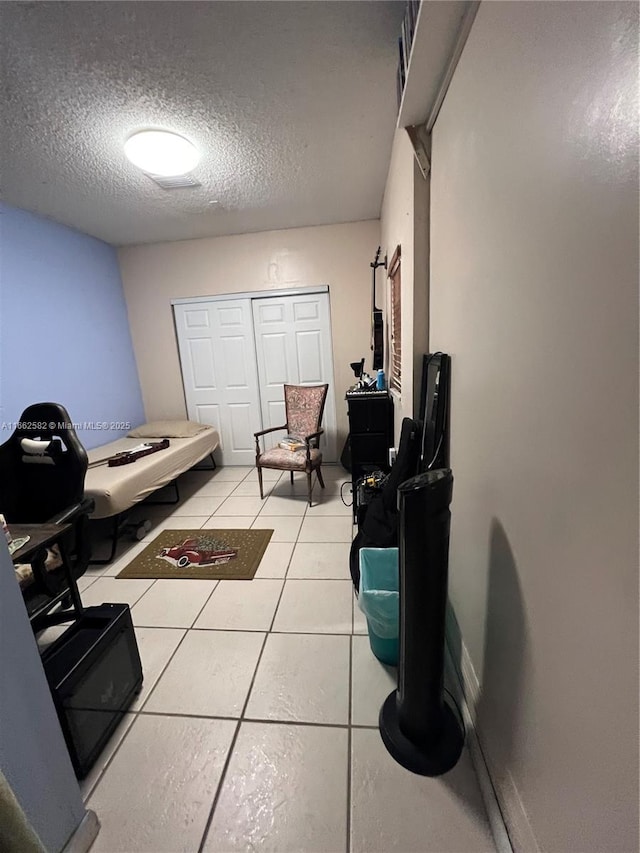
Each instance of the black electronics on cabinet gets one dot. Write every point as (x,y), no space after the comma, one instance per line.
(370,434)
(94,673)
(417,725)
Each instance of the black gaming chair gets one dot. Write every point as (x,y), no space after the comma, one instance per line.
(42,471)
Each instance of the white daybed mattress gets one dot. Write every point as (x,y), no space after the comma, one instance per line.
(116,489)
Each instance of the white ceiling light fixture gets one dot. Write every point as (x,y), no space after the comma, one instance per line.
(161,152)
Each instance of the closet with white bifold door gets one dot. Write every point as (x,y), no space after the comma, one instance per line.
(237,352)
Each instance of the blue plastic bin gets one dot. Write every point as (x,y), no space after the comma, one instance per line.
(379,600)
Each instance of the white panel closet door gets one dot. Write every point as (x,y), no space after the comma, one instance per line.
(218,358)
(293,345)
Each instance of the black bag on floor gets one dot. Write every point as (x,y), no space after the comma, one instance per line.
(379,528)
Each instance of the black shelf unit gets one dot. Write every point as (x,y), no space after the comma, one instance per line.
(370,434)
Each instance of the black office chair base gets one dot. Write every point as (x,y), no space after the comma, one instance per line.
(435,760)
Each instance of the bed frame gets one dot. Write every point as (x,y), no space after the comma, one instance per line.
(116,490)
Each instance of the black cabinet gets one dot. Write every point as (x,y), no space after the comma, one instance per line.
(370,434)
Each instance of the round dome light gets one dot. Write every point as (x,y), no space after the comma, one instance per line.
(161,152)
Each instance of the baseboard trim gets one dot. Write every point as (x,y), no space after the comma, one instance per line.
(85,834)
(507,816)
(461,691)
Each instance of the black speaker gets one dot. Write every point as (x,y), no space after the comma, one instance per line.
(418,727)
(94,673)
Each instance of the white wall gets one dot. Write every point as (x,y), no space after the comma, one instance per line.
(153,275)
(404,222)
(534,277)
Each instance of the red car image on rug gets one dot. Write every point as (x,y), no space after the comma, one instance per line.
(203,551)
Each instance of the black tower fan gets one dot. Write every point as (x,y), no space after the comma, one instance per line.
(418,727)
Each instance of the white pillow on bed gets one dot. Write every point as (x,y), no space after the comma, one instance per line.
(168,429)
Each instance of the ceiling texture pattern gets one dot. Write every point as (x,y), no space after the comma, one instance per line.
(292,104)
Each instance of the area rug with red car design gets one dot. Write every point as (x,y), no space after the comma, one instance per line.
(202,554)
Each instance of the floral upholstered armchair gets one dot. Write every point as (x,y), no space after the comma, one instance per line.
(304,405)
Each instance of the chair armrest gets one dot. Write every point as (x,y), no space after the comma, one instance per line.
(264,432)
(312,438)
(71,512)
(271,429)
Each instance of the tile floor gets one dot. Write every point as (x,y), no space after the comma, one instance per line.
(256,728)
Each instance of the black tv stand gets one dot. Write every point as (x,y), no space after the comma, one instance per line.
(370,434)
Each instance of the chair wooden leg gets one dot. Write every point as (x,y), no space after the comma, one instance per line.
(260,482)
(320,480)
(291,475)
(309,478)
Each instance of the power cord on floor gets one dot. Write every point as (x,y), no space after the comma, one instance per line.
(342,494)
(460,717)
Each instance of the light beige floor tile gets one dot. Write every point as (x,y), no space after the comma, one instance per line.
(215,489)
(154,525)
(152,511)
(292,505)
(334,489)
(320,607)
(269,475)
(133,549)
(275,560)
(241,506)
(359,619)
(85,581)
(89,781)
(107,590)
(326,504)
(98,571)
(176,522)
(302,678)
(331,485)
(156,645)
(231,473)
(156,794)
(241,605)
(209,675)
(326,529)
(392,809)
(285,527)
(198,506)
(250,489)
(228,522)
(371,683)
(284,792)
(320,561)
(197,478)
(173,603)
(202,487)
(334,472)
(284,488)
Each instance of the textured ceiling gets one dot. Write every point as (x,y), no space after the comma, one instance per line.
(292,103)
